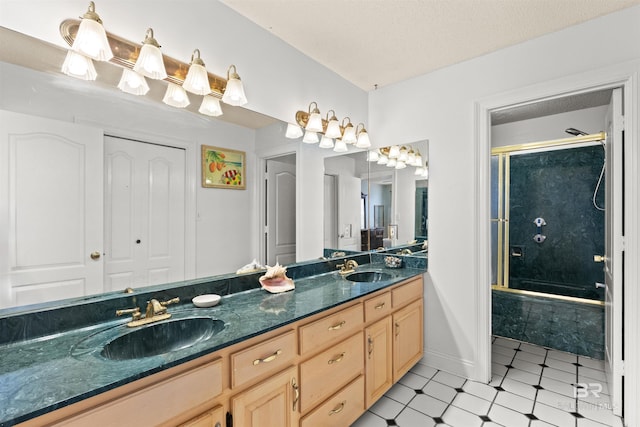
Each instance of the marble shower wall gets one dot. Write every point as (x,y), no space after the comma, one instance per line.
(557,186)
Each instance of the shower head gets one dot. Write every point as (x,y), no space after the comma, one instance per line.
(575,132)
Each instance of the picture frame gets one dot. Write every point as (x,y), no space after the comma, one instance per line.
(223,168)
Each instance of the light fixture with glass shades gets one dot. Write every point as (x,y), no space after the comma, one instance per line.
(328,129)
(89,41)
(150,63)
(310,137)
(234,92)
(399,158)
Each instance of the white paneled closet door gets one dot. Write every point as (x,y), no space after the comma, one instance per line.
(144,214)
(50,209)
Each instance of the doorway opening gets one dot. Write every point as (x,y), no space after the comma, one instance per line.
(280,210)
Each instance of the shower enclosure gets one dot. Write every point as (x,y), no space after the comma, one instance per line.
(547,223)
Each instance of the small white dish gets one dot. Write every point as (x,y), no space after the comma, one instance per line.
(208,300)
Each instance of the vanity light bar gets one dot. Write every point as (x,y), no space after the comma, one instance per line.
(125,54)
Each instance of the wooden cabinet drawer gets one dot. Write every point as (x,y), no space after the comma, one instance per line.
(330,328)
(328,371)
(211,418)
(377,307)
(262,359)
(342,409)
(405,294)
(157,403)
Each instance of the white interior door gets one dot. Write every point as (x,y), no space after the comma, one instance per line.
(349,213)
(51,209)
(330,216)
(614,279)
(281,212)
(144,214)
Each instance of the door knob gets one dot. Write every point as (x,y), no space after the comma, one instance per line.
(95,255)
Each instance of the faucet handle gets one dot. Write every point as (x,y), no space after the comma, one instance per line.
(171,301)
(135,312)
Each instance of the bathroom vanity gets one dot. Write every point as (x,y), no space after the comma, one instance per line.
(318,355)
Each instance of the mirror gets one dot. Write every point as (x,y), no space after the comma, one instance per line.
(394,202)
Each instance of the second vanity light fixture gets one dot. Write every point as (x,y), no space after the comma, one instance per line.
(313,128)
(399,157)
(89,41)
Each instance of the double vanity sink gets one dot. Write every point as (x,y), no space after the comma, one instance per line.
(46,373)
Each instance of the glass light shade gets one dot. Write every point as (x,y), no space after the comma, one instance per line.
(234,92)
(373,156)
(197,80)
(425,173)
(363,140)
(383,160)
(314,124)
(293,131)
(419,171)
(404,155)
(133,83)
(79,66)
(210,106)
(340,147)
(310,137)
(349,136)
(150,63)
(418,160)
(394,152)
(333,129)
(326,142)
(392,163)
(175,96)
(411,158)
(400,164)
(91,39)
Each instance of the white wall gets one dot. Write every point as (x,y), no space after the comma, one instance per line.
(590,120)
(440,106)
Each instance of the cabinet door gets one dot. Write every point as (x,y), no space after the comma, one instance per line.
(378,362)
(211,418)
(271,403)
(408,339)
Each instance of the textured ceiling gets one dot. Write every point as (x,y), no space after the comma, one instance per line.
(379,42)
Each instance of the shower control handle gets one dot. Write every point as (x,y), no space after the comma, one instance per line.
(599,258)
(600,285)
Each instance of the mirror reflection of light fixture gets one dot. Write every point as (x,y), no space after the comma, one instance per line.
(411,157)
(326,142)
(418,159)
(133,83)
(403,155)
(210,106)
(310,137)
(314,122)
(197,80)
(293,131)
(333,126)
(91,39)
(400,164)
(176,96)
(349,134)
(373,155)
(383,160)
(363,137)
(392,163)
(340,147)
(150,63)
(234,92)
(79,66)
(394,152)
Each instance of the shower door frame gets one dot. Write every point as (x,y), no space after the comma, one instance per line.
(504,174)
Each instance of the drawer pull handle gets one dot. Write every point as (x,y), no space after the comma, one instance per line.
(268,359)
(337,326)
(338,408)
(296,392)
(379,306)
(337,359)
(370,341)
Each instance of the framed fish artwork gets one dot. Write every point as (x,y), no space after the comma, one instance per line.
(223,168)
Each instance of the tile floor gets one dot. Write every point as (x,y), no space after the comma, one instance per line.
(532,386)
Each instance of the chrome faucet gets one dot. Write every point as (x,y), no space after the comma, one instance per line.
(348,267)
(155,312)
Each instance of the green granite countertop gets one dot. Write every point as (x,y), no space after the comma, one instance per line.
(44,374)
